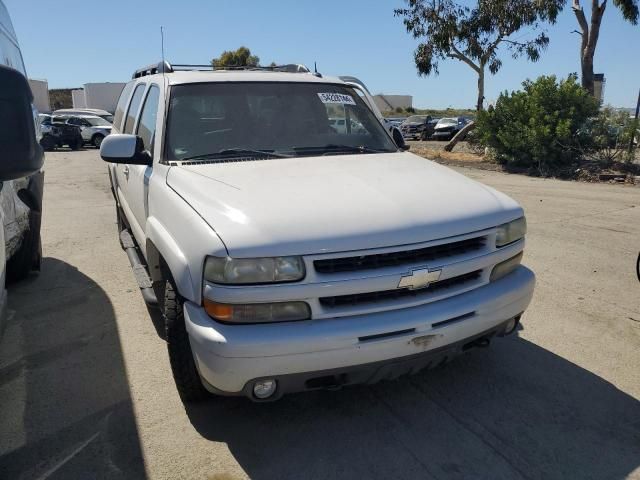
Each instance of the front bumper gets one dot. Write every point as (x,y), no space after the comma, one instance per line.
(231,357)
(443,133)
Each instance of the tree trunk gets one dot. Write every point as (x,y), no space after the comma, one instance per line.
(479,106)
(480,88)
(590,34)
(587,71)
(461,135)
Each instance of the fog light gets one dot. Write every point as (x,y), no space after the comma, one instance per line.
(510,326)
(264,388)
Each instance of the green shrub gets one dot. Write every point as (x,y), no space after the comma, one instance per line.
(536,129)
(605,138)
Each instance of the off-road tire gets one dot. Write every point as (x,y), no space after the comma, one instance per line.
(183,367)
(76,144)
(29,255)
(48,144)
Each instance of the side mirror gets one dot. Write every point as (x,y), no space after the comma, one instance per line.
(124,148)
(20,153)
(399,139)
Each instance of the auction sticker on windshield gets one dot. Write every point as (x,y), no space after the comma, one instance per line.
(336,98)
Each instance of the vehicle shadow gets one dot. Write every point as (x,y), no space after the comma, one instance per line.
(514,410)
(66,410)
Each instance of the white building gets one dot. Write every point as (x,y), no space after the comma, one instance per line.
(40,90)
(78,98)
(103,96)
(387,103)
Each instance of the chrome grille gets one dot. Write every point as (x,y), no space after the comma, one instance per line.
(398,293)
(404,257)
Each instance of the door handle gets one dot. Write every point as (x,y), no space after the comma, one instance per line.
(125,170)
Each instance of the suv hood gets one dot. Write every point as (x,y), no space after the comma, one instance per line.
(314,205)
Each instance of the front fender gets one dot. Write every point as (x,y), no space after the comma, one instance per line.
(176,260)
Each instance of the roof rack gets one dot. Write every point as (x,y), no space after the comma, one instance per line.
(166,67)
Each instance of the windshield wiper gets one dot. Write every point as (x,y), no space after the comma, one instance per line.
(232,152)
(334,148)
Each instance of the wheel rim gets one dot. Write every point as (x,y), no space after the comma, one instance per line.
(97,141)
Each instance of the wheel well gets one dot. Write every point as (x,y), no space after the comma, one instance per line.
(158,268)
(155,263)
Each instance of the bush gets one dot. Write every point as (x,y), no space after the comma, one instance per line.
(605,138)
(536,129)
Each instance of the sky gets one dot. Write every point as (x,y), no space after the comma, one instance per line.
(72,42)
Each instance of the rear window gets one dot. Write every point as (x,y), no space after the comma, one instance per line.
(122,105)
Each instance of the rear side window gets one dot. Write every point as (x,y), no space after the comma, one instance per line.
(136,99)
(122,104)
(147,123)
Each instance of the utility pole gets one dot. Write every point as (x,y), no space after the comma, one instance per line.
(635,124)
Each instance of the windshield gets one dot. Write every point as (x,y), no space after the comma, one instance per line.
(287,119)
(448,121)
(97,122)
(416,119)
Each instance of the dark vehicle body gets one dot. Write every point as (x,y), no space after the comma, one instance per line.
(58,134)
(446,128)
(414,126)
(427,133)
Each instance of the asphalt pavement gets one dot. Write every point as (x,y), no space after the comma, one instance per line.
(86,389)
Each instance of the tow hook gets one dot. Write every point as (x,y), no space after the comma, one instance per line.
(482,342)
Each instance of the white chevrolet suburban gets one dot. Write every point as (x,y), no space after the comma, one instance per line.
(289,255)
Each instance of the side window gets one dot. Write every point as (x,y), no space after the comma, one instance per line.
(122,104)
(133,108)
(147,123)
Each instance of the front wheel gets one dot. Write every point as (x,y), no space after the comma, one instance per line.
(29,255)
(97,140)
(76,144)
(183,366)
(48,143)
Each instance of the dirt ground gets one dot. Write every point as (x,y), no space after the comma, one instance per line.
(86,390)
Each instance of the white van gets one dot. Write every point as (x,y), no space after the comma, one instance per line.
(20,198)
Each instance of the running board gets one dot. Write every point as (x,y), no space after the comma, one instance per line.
(139,270)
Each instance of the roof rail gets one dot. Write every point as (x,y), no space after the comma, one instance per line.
(166,67)
(161,67)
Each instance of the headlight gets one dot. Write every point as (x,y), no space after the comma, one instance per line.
(505,268)
(511,232)
(257,312)
(242,271)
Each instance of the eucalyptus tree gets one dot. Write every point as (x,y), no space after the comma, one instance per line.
(590,31)
(477,33)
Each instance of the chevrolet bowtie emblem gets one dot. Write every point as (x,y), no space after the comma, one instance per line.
(419,278)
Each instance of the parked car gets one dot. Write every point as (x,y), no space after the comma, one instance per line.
(57,133)
(85,111)
(414,126)
(92,128)
(427,132)
(301,257)
(395,121)
(21,174)
(446,128)
(365,94)
(340,125)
